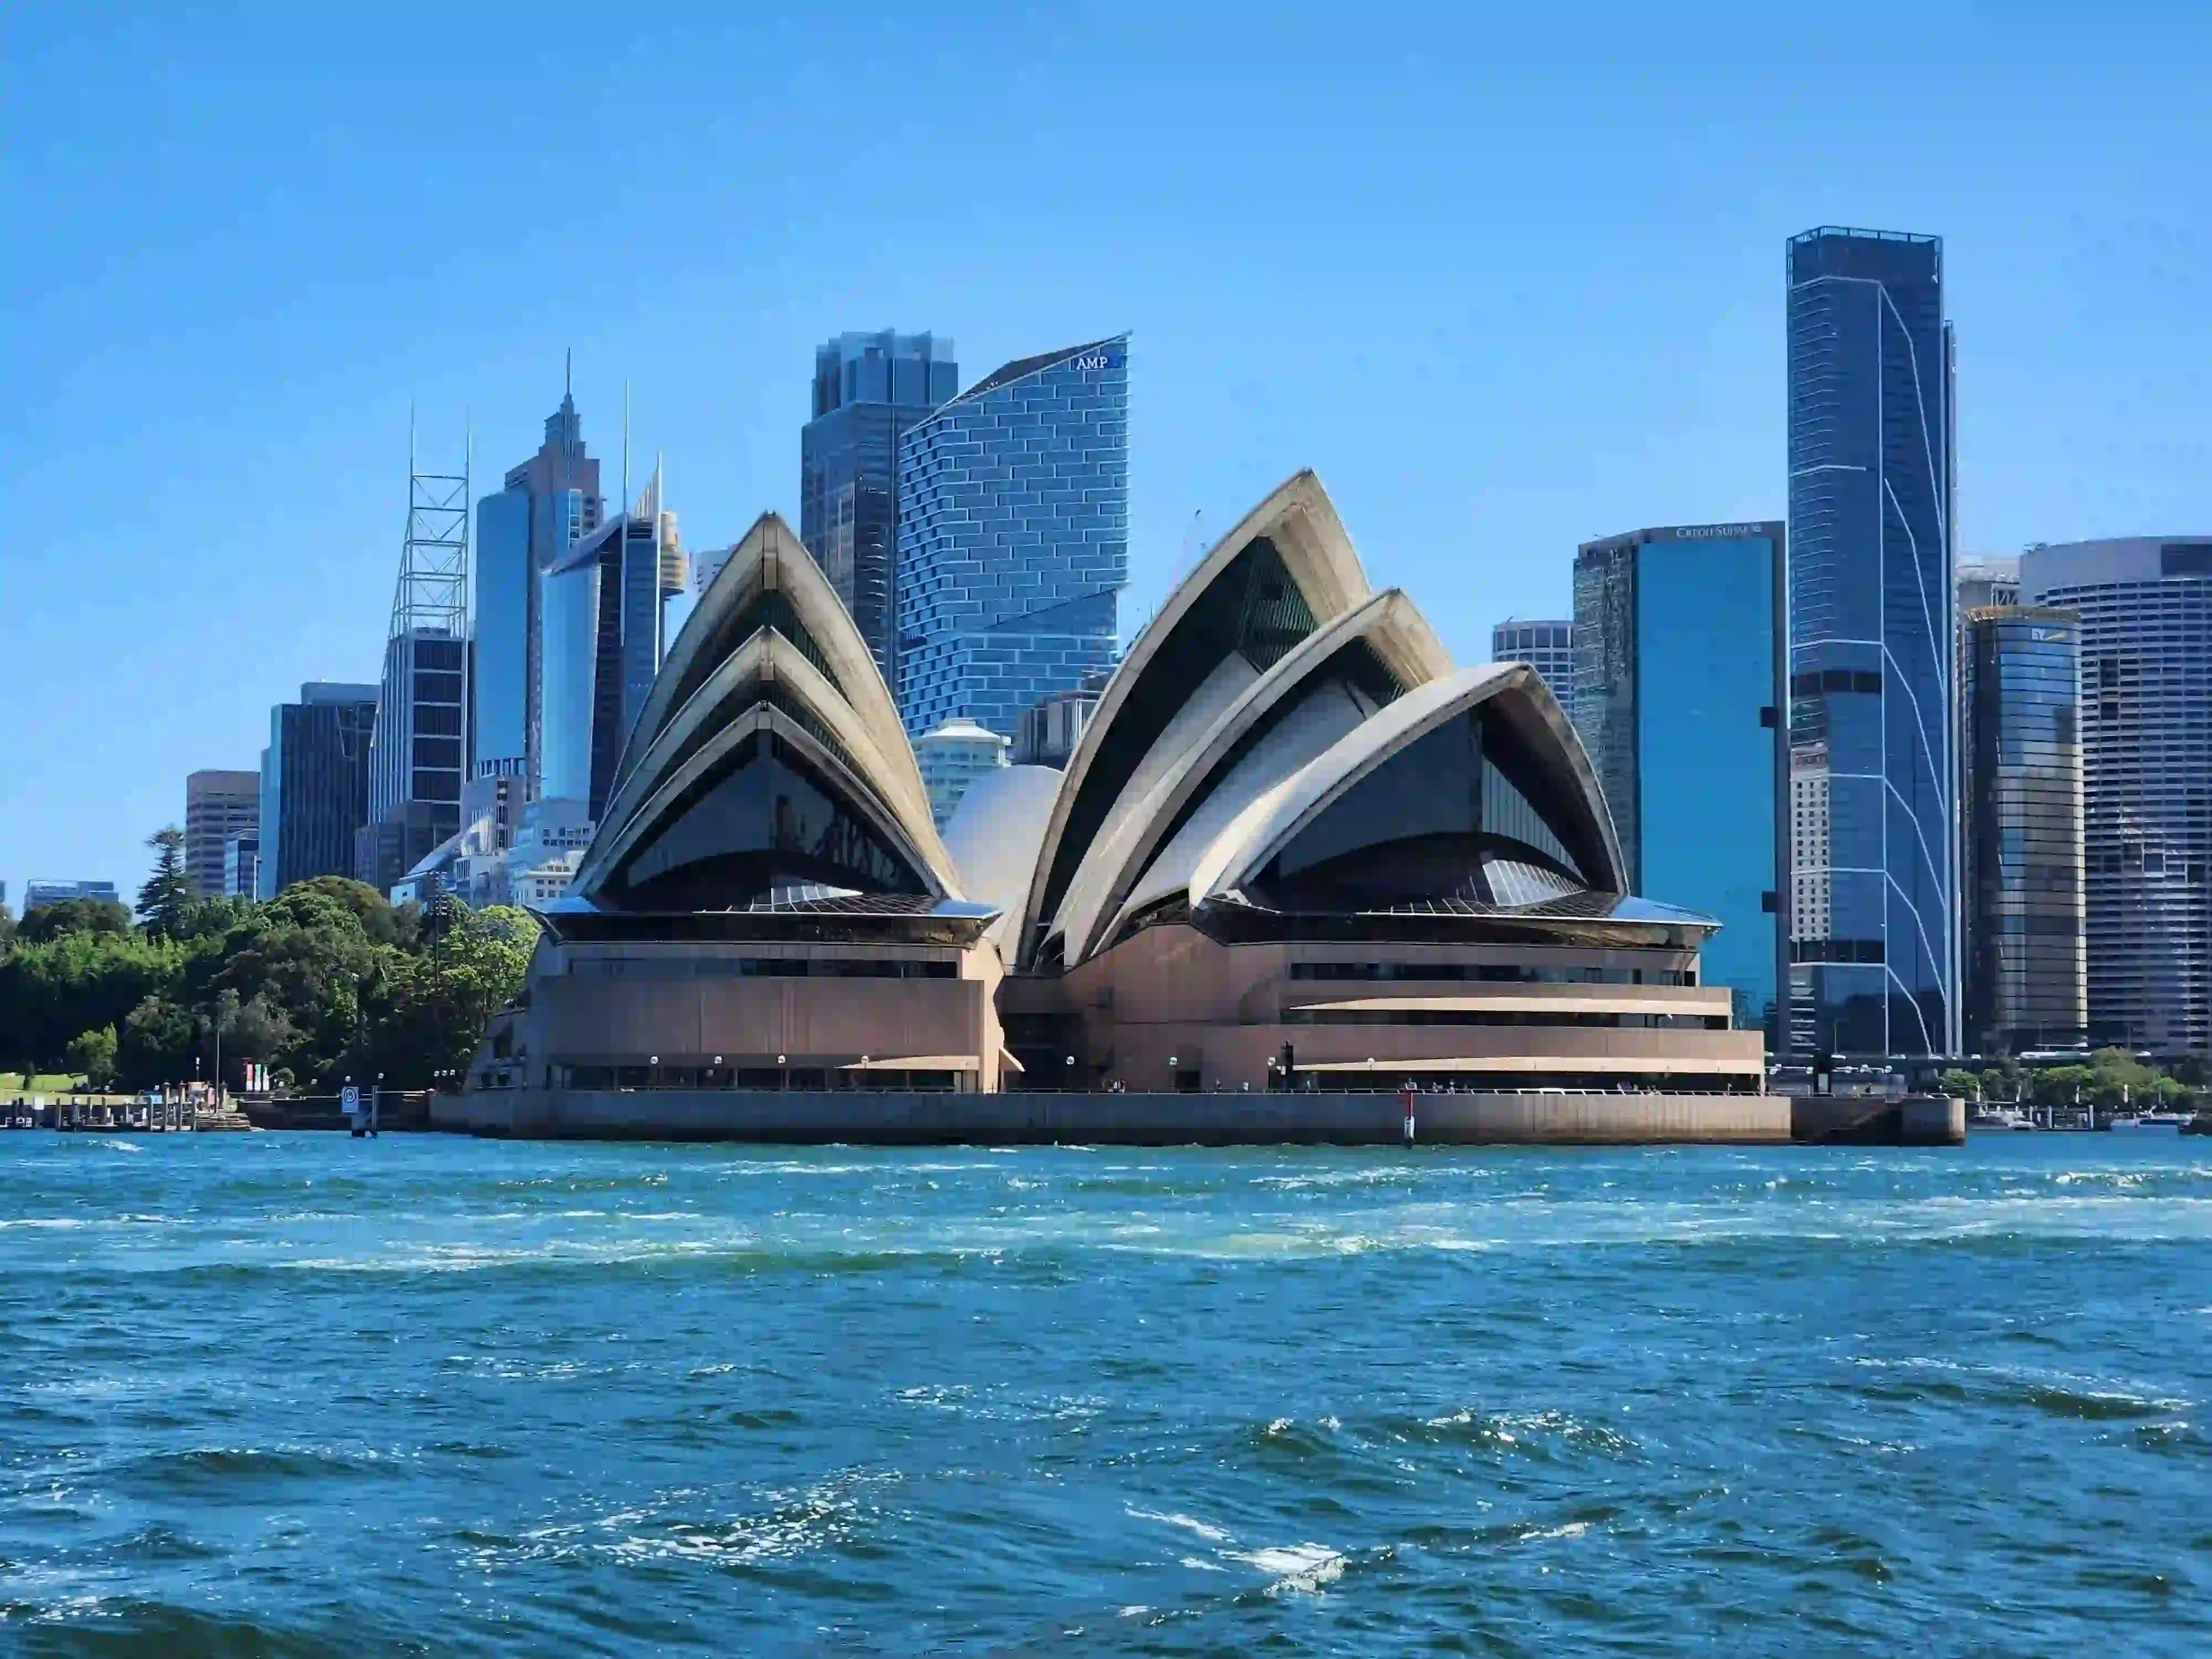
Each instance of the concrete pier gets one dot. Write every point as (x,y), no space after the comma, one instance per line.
(1024,1118)
(1874,1120)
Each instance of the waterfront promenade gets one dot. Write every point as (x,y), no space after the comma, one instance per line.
(1038,1117)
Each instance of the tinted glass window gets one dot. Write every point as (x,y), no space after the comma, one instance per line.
(759,820)
(1442,818)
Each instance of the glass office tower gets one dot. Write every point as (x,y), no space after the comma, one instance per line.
(314,784)
(552,501)
(868,390)
(1548,647)
(1013,537)
(503,579)
(605,624)
(1871,659)
(2026,983)
(2145,604)
(1678,697)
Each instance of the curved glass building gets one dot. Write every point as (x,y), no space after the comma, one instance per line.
(1875,947)
(1013,537)
(2146,650)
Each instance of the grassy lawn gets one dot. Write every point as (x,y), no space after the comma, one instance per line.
(36,1083)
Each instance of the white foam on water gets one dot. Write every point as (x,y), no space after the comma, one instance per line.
(1300,1568)
(1571,1529)
(1212,1535)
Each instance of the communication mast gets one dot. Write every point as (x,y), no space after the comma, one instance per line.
(433,594)
(418,755)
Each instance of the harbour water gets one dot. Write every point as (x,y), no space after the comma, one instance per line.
(301,1394)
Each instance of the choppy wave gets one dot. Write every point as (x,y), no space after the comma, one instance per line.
(482,1398)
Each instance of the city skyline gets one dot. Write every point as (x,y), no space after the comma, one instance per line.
(1537,415)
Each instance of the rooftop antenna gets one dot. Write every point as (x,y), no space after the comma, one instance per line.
(568,373)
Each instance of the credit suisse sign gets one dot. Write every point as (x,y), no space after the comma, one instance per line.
(1698,533)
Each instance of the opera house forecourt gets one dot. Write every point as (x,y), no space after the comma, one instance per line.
(1299,862)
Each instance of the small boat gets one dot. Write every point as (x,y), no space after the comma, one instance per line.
(1999,1117)
(2137,1121)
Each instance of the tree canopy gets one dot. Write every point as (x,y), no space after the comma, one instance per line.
(166,896)
(325,981)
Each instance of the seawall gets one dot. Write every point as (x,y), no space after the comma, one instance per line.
(1024,1118)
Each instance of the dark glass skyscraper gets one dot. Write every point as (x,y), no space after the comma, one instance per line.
(2025,980)
(868,390)
(1013,537)
(1875,947)
(1677,681)
(606,632)
(314,784)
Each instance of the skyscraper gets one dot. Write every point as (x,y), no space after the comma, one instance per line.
(868,390)
(217,806)
(420,753)
(1678,642)
(605,629)
(314,784)
(1013,537)
(546,504)
(2145,604)
(2026,987)
(1548,647)
(1872,658)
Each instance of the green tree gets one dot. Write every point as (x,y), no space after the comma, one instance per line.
(92,1053)
(166,897)
(2121,1079)
(2061,1085)
(322,983)
(476,967)
(43,922)
(157,1044)
(209,920)
(52,990)
(1966,1086)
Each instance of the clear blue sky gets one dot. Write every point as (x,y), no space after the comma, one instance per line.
(1508,281)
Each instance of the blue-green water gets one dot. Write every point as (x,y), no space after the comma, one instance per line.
(302,1394)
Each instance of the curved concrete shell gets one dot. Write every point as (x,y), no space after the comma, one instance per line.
(1327,685)
(772,581)
(994,834)
(770,649)
(1543,792)
(767,676)
(1286,570)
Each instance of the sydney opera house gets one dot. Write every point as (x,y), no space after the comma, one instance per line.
(1297,849)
